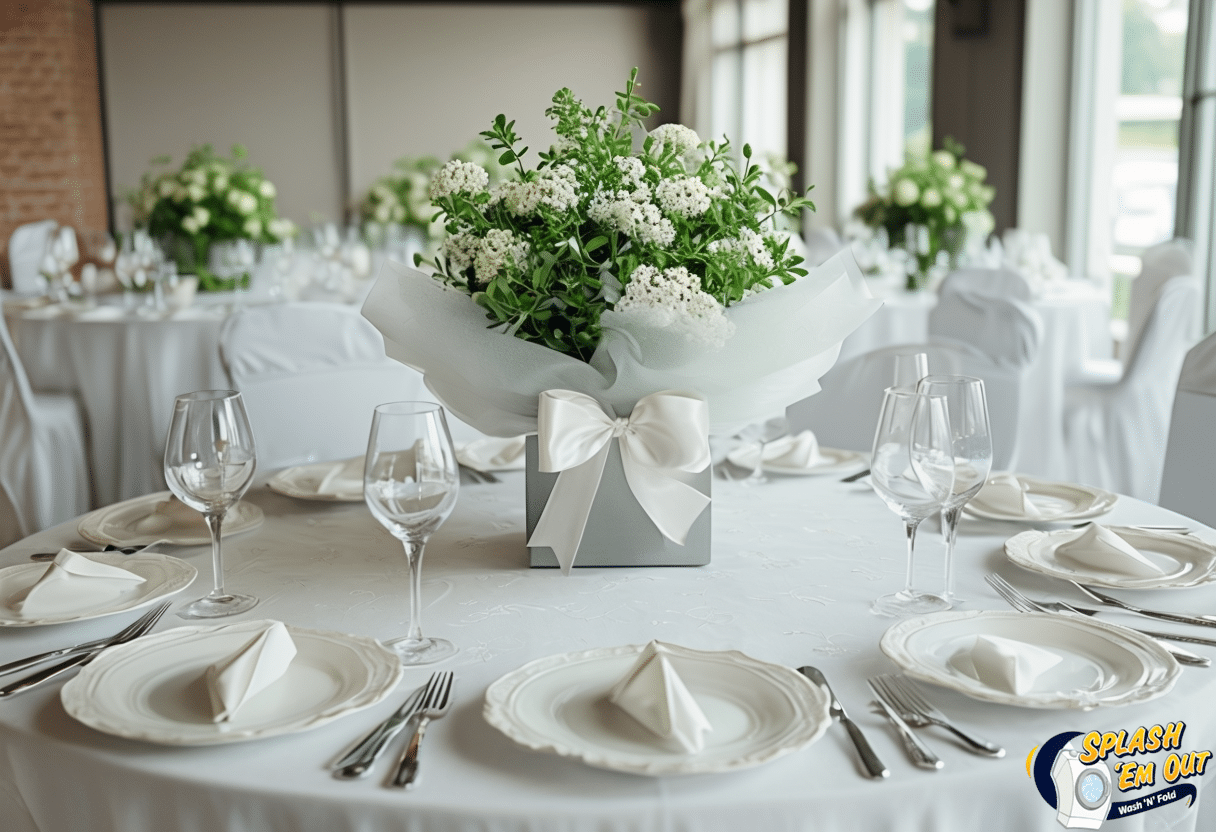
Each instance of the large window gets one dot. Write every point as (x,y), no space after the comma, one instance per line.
(917,36)
(749,74)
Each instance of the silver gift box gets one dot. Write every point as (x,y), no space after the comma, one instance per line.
(619,532)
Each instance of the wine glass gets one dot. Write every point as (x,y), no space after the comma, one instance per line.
(912,470)
(410,482)
(209,463)
(971,437)
(910,368)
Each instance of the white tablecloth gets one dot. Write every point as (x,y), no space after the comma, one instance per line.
(796,563)
(1076,326)
(126,372)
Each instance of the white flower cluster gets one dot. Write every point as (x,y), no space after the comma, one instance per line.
(384,205)
(242,201)
(458,177)
(748,244)
(487,255)
(686,196)
(632,214)
(673,299)
(556,188)
(196,219)
(680,138)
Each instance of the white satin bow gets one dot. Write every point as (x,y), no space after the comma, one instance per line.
(667,432)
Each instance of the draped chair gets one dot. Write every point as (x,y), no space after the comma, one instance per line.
(44,475)
(1188,483)
(1115,433)
(26,247)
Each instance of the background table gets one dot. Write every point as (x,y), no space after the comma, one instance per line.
(796,563)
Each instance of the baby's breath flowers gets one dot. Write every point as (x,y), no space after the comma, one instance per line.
(670,230)
(210,199)
(945,193)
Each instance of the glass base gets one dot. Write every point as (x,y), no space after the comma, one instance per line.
(908,603)
(422,651)
(218,606)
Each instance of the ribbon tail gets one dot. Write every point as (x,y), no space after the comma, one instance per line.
(673,505)
(562,523)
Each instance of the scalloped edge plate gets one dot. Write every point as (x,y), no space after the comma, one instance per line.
(835,461)
(1123,666)
(164,576)
(1088,502)
(112,524)
(151,689)
(302,481)
(1194,561)
(559,704)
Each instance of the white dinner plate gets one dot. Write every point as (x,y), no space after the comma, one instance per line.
(115,524)
(1057,501)
(163,576)
(152,688)
(832,461)
(559,704)
(302,482)
(1102,665)
(1185,560)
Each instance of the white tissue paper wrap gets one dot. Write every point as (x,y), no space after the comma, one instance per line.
(72,578)
(785,339)
(234,680)
(1005,664)
(1099,548)
(655,695)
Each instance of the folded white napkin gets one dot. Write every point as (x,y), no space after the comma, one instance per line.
(343,479)
(493,453)
(234,680)
(1099,548)
(1007,493)
(72,579)
(800,451)
(166,514)
(1004,663)
(653,694)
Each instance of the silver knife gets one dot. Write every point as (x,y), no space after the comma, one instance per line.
(358,761)
(874,766)
(919,753)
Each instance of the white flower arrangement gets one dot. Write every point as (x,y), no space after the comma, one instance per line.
(210,199)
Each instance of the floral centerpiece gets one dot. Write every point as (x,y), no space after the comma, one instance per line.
(943,197)
(210,199)
(632,288)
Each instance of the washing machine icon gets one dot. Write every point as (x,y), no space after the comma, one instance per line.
(1083,792)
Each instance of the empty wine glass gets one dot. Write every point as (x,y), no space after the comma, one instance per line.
(912,470)
(910,368)
(209,463)
(971,439)
(410,482)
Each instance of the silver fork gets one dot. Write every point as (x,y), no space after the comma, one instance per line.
(435,704)
(920,754)
(919,712)
(1021,603)
(85,647)
(42,557)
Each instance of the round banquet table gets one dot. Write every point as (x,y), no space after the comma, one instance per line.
(1076,326)
(126,371)
(796,562)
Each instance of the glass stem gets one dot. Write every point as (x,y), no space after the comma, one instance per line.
(413,555)
(910,530)
(214,522)
(950,530)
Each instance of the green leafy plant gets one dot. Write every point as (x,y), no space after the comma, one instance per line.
(943,192)
(611,218)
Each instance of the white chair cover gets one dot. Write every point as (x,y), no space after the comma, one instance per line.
(820,244)
(311,374)
(1115,434)
(44,478)
(1159,264)
(1188,484)
(26,247)
(1003,283)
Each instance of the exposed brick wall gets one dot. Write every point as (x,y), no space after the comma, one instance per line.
(51,151)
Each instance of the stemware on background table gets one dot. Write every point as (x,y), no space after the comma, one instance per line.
(410,483)
(912,470)
(967,408)
(209,463)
